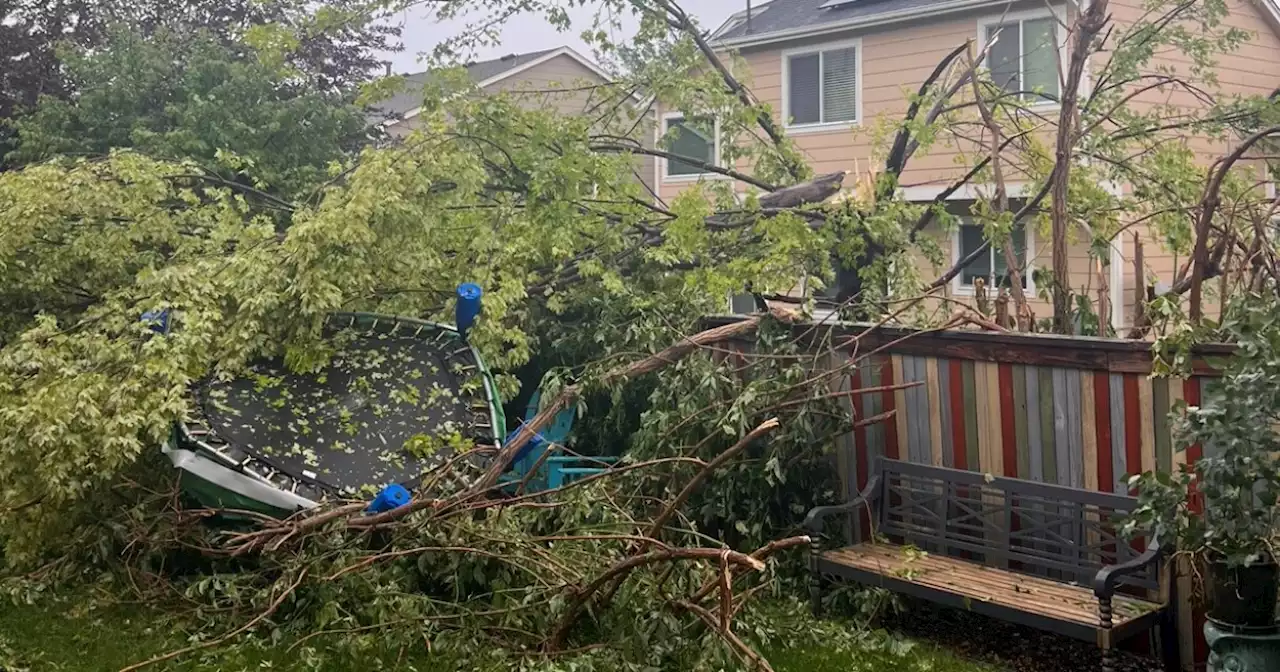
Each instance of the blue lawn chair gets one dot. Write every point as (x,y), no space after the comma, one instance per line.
(555,470)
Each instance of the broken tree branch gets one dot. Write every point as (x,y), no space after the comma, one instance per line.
(1087,26)
(1208,207)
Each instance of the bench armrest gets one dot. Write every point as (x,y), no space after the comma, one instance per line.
(1104,583)
(814,520)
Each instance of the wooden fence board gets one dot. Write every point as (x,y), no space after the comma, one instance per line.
(900,403)
(1075,431)
(1132,425)
(1048,435)
(1008,422)
(1146,423)
(1089,421)
(1102,430)
(970,418)
(959,432)
(945,416)
(1160,421)
(934,391)
(887,401)
(1023,441)
(1035,436)
(861,457)
(983,416)
(870,406)
(1119,452)
(995,421)
(917,410)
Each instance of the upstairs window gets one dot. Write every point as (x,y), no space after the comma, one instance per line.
(991,265)
(694,139)
(1024,58)
(822,85)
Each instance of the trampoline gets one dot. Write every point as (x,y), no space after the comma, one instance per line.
(396,397)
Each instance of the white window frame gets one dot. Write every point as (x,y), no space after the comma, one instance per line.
(1057,12)
(959,288)
(828,126)
(691,177)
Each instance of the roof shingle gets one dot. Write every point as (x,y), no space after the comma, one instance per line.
(781,15)
(409,96)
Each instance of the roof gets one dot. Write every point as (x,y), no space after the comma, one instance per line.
(786,19)
(483,70)
(786,15)
(408,98)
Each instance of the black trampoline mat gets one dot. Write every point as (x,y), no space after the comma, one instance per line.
(345,427)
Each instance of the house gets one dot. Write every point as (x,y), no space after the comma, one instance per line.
(557,79)
(551,77)
(830,69)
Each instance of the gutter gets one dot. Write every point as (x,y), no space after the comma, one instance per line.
(1272,10)
(937,9)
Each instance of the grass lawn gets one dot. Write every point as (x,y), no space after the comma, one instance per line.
(65,639)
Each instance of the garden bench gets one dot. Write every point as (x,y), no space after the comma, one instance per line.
(1042,555)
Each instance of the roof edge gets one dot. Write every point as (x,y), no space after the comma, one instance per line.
(942,7)
(507,74)
(1271,10)
(554,53)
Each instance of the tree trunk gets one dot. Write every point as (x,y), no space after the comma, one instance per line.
(1086,28)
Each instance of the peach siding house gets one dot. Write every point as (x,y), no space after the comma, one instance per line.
(830,69)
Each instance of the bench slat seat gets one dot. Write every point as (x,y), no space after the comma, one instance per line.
(983,589)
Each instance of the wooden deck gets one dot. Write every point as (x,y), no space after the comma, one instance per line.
(977,583)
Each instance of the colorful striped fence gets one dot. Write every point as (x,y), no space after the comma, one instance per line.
(1075,411)
(1073,427)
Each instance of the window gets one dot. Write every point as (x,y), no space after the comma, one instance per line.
(1024,58)
(693,139)
(742,304)
(822,85)
(991,265)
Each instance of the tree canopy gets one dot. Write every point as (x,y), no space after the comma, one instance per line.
(58,50)
(218,170)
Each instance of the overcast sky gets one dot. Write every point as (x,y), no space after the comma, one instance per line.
(422,31)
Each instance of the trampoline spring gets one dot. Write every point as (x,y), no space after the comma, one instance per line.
(418,331)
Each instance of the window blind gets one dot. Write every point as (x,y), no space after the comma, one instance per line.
(804,89)
(840,85)
(822,87)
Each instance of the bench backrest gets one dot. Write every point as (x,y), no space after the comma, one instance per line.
(1037,528)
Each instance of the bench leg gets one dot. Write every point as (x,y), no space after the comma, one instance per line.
(815,580)
(1104,621)
(1170,652)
